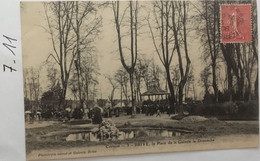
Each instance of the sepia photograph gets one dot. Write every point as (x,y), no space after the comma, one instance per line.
(110,78)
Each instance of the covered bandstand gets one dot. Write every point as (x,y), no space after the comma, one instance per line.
(155,99)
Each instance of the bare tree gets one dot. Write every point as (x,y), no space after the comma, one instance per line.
(72,33)
(205,75)
(133,27)
(179,20)
(237,58)
(114,86)
(155,73)
(86,30)
(137,80)
(32,86)
(74,87)
(89,79)
(164,49)
(176,79)
(227,51)
(210,40)
(234,61)
(248,62)
(148,72)
(143,69)
(63,40)
(122,78)
(190,85)
(52,75)
(255,43)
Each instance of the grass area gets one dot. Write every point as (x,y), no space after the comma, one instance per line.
(211,126)
(207,128)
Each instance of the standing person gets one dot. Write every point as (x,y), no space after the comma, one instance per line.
(169,111)
(158,113)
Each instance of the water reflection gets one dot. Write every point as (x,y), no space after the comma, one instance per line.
(85,136)
(123,135)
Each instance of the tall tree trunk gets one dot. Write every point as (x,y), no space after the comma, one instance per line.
(227,51)
(87,94)
(249,89)
(181,86)
(214,82)
(256,85)
(78,61)
(132,94)
(121,91)
(133,42)
(230,82)
(184,74)
(171,97)
(63,96)
(211,39)
(240,76)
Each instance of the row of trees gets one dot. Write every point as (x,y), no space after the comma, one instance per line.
(171,26)
(146,75)
(169,35)
(239,60)
(73,28)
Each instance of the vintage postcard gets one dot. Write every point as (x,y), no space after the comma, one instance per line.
(108,78)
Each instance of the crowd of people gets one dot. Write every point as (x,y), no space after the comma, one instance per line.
(95,113)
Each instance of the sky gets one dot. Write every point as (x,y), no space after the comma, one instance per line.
(36,46)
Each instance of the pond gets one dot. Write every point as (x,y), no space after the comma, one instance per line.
(123,134)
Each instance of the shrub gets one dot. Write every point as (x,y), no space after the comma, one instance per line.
(177,117)
(226,110)
(248,109)
(77,113)
(196,109)
(97,119)
(142,133)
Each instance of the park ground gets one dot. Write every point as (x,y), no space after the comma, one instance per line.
(202,128)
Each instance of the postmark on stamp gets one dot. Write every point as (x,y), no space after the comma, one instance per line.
(235,22)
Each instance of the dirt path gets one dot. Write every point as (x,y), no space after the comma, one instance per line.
(37,124)
(243,122)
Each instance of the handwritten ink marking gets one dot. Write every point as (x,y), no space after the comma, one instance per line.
(8,47)
(11,48)
(9,39)
(11,68)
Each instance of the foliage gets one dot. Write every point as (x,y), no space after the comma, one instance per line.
(77,113)
(208,98)
(227,110)
(107,130)
(97,119)
(248,109)
(26,104)
(101,102)
(50,99)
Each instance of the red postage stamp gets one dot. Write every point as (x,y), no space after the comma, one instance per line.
(236,23)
